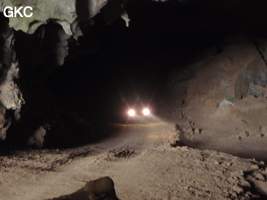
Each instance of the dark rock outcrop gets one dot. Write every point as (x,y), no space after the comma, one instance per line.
(99,189)
(10,94)
(41,43)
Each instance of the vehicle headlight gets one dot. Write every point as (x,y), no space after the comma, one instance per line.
(131,112)
(146,111)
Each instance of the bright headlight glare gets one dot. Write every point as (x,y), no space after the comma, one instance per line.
(146,111)
(131,113)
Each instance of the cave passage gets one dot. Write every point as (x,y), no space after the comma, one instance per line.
(153,63)
(69,78)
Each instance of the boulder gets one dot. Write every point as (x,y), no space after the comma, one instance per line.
(99,189)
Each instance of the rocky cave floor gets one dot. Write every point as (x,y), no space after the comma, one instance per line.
(146,161)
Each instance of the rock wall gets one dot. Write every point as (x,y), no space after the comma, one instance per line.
(10,94)
(31,49)
(62,11)
(67,13)
(225,88)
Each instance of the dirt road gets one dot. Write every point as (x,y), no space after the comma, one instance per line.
(145,161)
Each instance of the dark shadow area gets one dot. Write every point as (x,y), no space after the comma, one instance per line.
(133,63)
(258,186)
(102,189)
(70,136)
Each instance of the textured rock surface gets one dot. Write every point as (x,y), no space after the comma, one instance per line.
(4,122)
(154,170)
(99,189)
(225,98)
(228,74)
(238,75)
(10,94)
(42,11)
(64,13)
(41,48)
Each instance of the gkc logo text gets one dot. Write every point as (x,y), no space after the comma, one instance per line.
(18,11)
